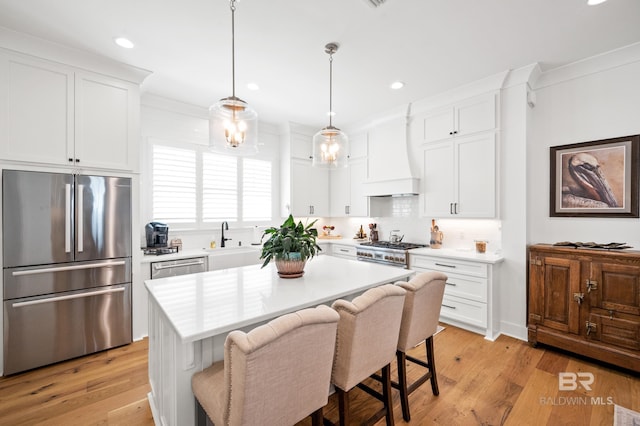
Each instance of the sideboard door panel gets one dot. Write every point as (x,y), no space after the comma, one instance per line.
(562,281)
(618,287)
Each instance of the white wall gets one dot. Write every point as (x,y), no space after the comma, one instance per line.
(589,100)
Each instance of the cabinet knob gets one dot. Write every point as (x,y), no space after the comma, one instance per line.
(71,160)
(77,160)
(450,133)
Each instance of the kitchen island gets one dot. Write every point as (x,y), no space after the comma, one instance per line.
(191,315)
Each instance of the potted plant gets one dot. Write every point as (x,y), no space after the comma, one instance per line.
(290,246)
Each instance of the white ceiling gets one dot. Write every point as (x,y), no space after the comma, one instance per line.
(431,45)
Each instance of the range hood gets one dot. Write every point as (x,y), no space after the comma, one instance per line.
(388,160)
(392,187)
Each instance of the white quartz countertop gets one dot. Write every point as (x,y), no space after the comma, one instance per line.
(470,255)
(211,303)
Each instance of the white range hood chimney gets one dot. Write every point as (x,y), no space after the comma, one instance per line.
(388,159)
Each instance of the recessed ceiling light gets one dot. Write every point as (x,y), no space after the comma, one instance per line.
(595,2)
(397,85)
(124,42)
(253,86)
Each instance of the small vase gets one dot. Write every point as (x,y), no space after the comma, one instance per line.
(436,239)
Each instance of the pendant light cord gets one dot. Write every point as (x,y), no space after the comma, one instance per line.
(330,88)
(233,48)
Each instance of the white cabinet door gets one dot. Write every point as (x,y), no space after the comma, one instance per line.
(359,203)
(459,178)
(473,115)
(439,124)
(36,116)
(476,176)
(438,180)
(347,190)
(301,145)
(105,122)
(340,190)
(309,189)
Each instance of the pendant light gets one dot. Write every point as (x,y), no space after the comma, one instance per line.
(330,145)
(233,125)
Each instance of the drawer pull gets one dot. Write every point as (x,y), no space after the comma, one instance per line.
(445,265)
(451,284)
(448,306)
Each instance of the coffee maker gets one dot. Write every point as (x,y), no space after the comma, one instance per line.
(157,234)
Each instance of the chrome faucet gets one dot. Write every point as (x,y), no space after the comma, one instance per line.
(225,226)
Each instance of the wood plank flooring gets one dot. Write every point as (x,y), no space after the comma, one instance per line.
(505,382)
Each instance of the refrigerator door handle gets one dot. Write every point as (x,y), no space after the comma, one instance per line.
(67,218)
(67,268)
(80,225)
(69,297)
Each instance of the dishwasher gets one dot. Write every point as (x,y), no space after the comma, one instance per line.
(172,268)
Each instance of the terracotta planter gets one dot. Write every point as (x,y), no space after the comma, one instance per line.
(290,268)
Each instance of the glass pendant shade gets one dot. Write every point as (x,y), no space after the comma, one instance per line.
(233,127)
(330,148)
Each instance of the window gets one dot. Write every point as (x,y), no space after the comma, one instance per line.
(219,187)
(256,190)
(174,184)
(194,188)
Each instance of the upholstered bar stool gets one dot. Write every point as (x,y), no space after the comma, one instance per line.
(366,342)
(419,323)
(277,374)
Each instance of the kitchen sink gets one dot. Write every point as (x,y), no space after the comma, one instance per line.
(233,256)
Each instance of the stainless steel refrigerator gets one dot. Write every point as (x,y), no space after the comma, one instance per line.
(66,266)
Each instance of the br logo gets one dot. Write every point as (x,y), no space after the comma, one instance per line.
(568,381)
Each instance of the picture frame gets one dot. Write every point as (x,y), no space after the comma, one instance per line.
(595,179)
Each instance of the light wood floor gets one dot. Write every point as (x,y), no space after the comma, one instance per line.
(481,383)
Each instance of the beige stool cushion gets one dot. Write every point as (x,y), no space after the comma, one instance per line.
(277,374)
(421,308)
(367,334)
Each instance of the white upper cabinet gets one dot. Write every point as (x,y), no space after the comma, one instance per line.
(470,116)
(305,189)
(309,189)
(347,194)
(346,184)
(36,116)
(106,122)
(459,177)
(58,115)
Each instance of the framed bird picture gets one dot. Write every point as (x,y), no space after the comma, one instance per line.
(595,179)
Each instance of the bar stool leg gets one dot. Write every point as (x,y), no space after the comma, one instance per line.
(386,394)
(402,384)
(432,365)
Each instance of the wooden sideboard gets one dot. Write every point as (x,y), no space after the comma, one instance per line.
(586,301)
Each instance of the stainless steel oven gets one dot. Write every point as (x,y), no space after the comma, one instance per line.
(386,252)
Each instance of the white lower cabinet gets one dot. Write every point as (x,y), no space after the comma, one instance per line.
(468,300)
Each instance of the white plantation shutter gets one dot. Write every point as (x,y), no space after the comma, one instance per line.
(174,184)
(219,187)
(256,190)
(194,188)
